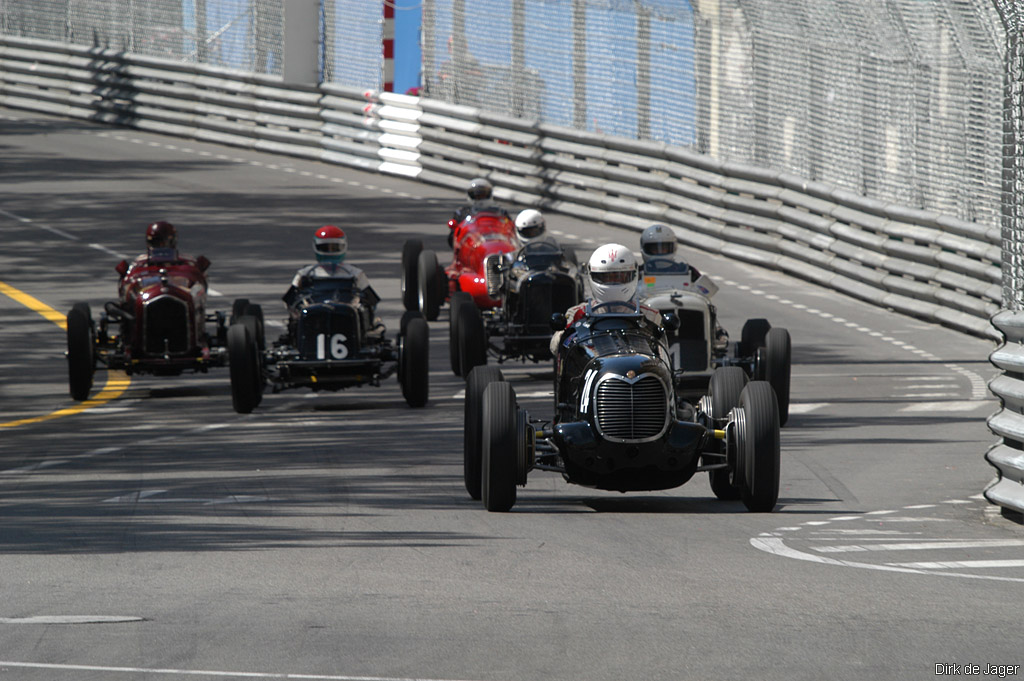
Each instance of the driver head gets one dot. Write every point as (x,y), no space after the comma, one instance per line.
(529,225)
(330,245)
(658,241)
(479,190)
(613,274)
(161,235)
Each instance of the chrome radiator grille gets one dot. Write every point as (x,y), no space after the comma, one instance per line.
(631,411)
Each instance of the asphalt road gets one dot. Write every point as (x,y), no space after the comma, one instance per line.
(328,536)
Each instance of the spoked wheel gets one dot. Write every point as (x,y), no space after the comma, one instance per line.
(500,438)
(472,338)
(759,447)
(777,365)
(429,282)
(726,385)
(472,445)
(459,298)
(752,336)
(414,362)
(81,351)
(245,369)
(410,257)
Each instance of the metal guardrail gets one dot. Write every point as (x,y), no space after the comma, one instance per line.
(916,262)
(1008,423)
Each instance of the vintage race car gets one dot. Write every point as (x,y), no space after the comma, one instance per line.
(158,326)
(426,286)
(332,342)
(698,348)
(532,284)
(618,423)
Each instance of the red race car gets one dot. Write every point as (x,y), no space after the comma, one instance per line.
(426,286)
(159,325)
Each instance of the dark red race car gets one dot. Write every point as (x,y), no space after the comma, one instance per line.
(426,286)
(158,326)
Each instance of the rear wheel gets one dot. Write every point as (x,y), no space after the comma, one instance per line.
(414,361)
(253,319)
(238,309)
(472,340)
(777,365)
(500,465)
(472,444)
(726,385)
(429,282)
(81,351)
(760,447)
(752,336)
(459,298)
(410,256)
(244,368)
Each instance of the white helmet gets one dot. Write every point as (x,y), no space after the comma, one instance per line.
(529,224)
(613,274)
(657,240)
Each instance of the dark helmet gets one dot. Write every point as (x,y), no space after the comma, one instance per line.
(479,189)
(161,235)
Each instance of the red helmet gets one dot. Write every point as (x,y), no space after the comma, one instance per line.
(330,244)
(161,235)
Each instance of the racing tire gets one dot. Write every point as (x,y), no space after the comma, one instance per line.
(760,447)
(752,336)
(778,357)
(725,388)
(238,309)
(410,257)
(459,298)
(253,319)
(407,317)
(414,360)
(472,339)
(500,464)
(244,369)
(429,283)
(472,444)
(81,351)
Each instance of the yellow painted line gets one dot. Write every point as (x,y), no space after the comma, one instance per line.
(35,305)
(117,381)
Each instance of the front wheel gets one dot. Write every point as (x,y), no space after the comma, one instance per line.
(410,256)
(500,469)
(81,351)
(459,298)
(777,368)
(429,281)
(472,340)
(726,385)
(414,362)
(473,429)
(759,448)
(245,369)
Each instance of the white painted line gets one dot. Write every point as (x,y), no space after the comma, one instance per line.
(778,547)
(71,619)
(922,546)
(954,564)
(956,501)
(104,249)
(806,407)
(817,522)
(915,395)
(947,407)
(921,506)
(214,292)
(202,672)
(879,512)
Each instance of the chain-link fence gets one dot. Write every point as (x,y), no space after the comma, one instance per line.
(898,100)
(238,34)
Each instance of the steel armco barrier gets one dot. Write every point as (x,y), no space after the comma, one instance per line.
(916,262)
(1008,423)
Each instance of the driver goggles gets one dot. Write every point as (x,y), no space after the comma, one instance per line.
(619,277)
(660,248)
(328,247)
